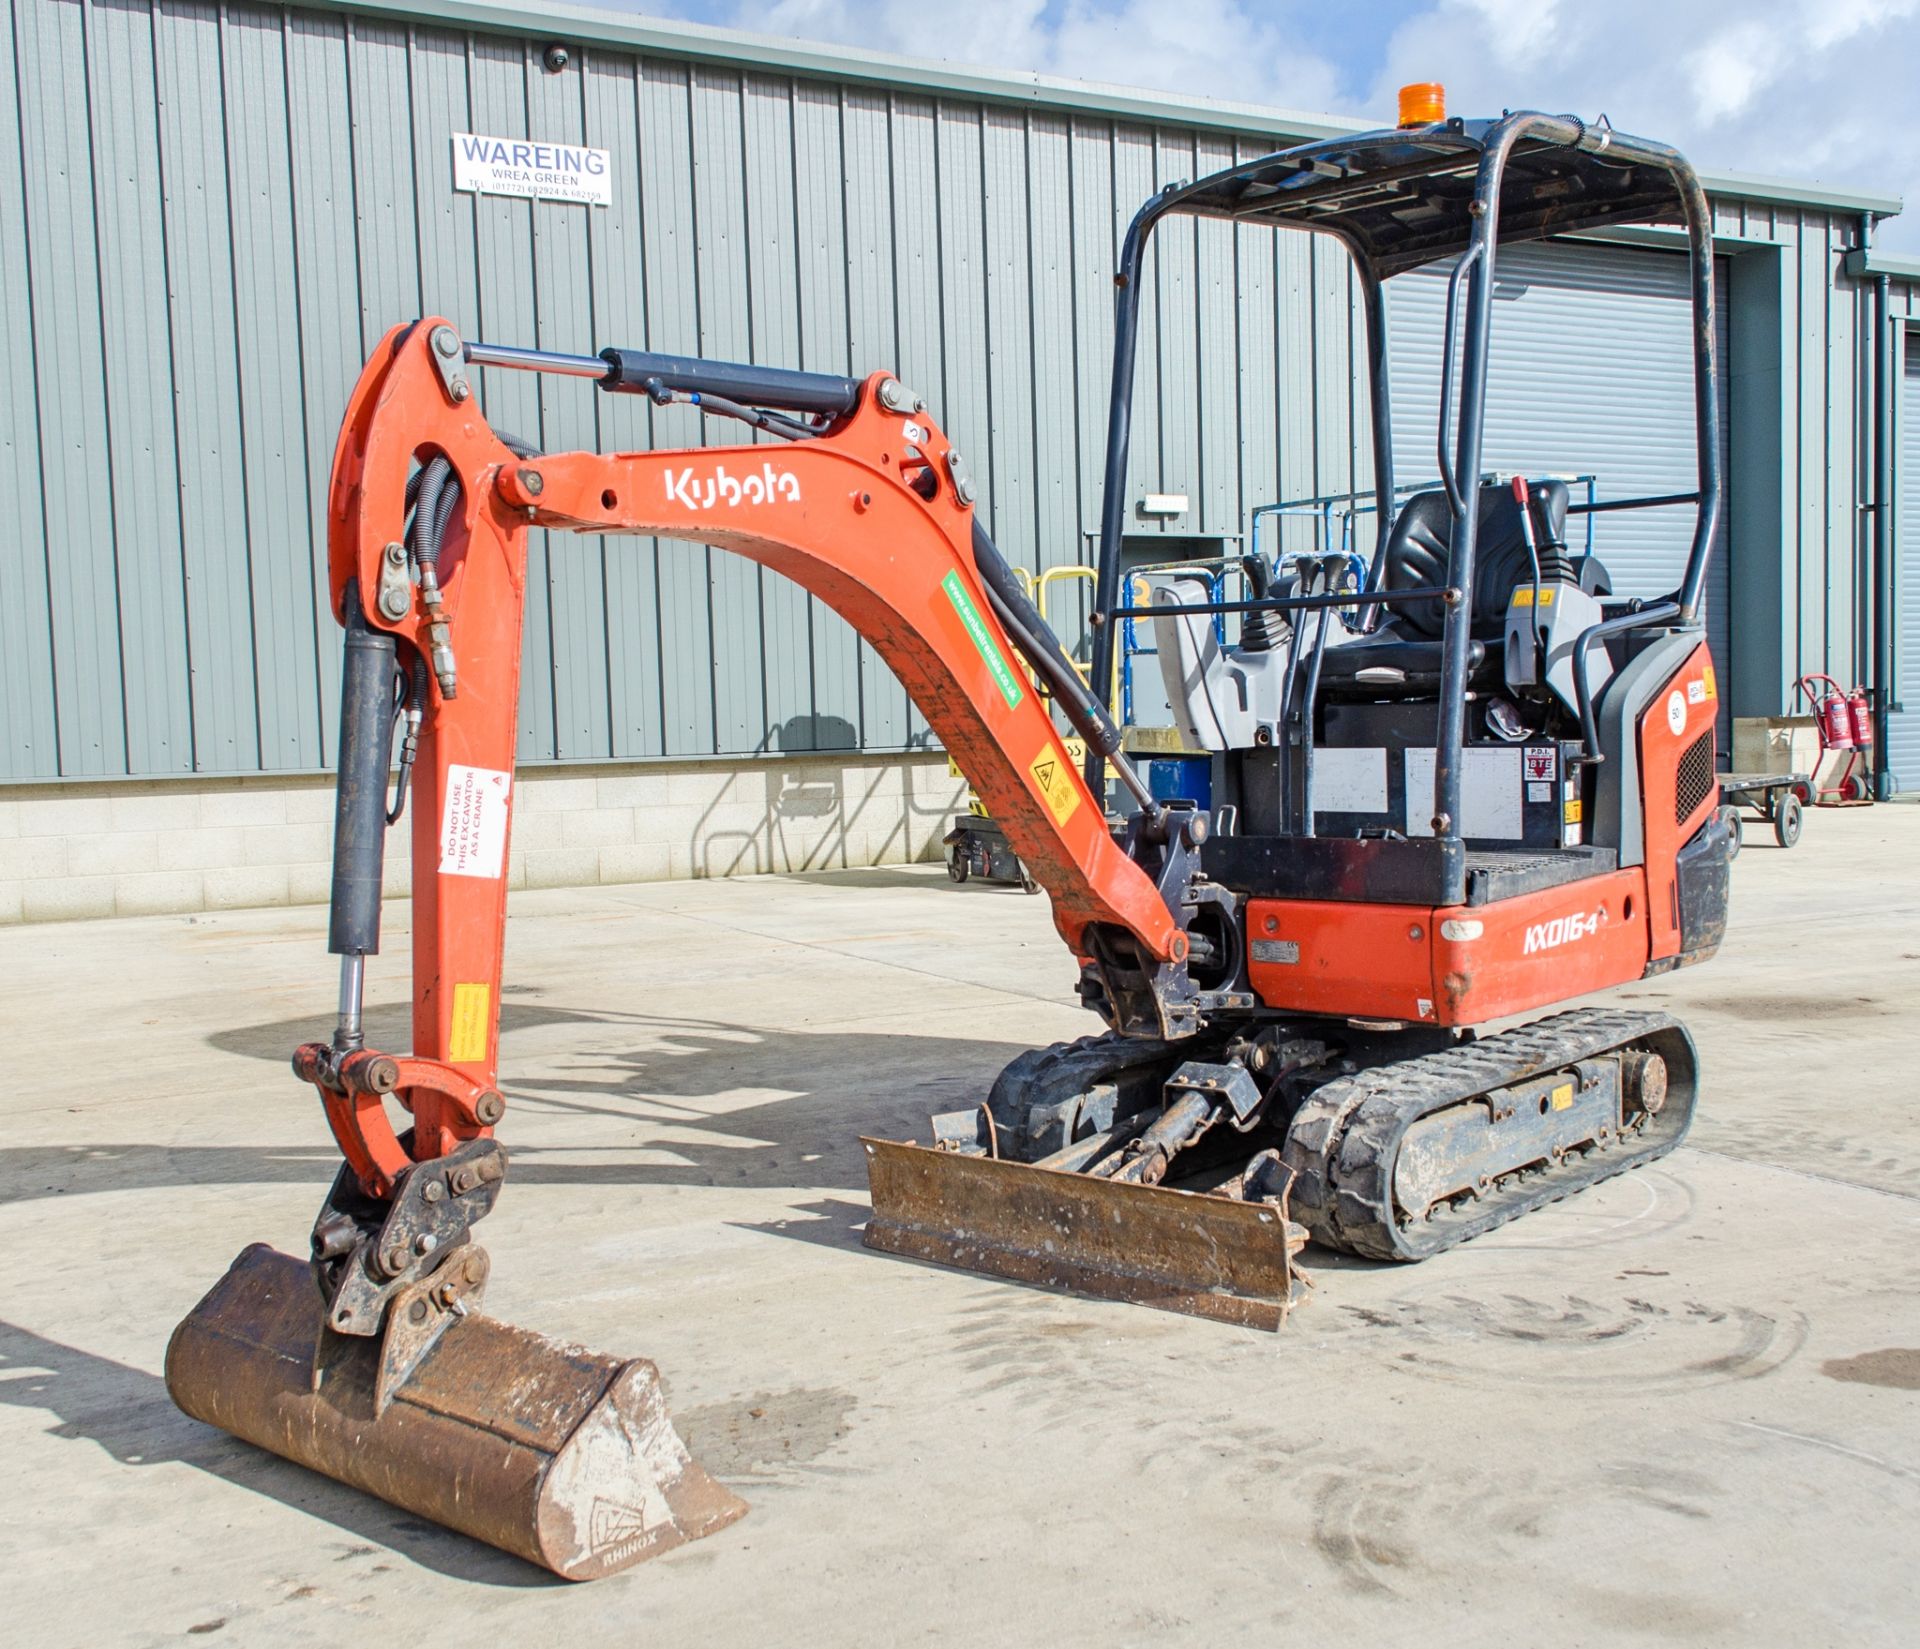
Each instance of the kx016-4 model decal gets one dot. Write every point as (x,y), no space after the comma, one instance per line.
(1563,930)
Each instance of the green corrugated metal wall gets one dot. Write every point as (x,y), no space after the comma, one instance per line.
(226,206)
(208,214)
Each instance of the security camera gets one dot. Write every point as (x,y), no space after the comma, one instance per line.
(556,58)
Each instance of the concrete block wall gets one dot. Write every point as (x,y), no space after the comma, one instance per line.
(142,847)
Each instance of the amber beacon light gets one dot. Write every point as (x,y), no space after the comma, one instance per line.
(1423,103)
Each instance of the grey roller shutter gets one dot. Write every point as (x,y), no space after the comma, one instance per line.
(1903,727)
(1591,374)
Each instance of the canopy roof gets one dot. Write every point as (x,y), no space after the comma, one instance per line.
(1400,199)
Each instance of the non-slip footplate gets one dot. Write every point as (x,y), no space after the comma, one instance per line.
(1206,1256)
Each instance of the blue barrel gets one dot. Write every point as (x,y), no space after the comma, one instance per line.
(1181,779)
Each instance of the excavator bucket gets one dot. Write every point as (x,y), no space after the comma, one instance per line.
(559,1455)
(1206,1254)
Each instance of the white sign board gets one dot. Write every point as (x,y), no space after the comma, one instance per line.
(538,171)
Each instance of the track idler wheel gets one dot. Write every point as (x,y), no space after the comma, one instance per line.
(559,1455)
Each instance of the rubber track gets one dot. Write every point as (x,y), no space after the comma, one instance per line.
(1344,1140)
(1065,1070)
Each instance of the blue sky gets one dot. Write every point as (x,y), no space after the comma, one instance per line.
(1812,89)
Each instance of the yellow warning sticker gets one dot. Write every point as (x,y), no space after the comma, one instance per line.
(467,1035)
(1054,779)
(1523,597)
(1571,812)
(1562,1096)
(1713,687)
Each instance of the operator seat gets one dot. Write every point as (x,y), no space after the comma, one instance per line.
(1408,640)
(1422,538)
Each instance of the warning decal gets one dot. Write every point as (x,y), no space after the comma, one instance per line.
(473,824)
(1054,780)
(467,1035)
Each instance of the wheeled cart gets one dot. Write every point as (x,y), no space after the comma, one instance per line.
(1776,797)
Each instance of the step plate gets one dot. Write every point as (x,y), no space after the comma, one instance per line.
(1206,1256)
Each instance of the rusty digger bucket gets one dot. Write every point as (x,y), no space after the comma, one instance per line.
(551,1452)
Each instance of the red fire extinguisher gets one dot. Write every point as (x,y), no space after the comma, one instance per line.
(1833,712)
(1861,711)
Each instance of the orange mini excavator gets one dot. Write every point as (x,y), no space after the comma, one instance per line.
(1475,785)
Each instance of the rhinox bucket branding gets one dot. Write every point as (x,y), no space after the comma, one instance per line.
(702,492)
(1564,930)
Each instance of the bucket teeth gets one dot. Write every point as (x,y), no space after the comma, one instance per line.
(559,1455)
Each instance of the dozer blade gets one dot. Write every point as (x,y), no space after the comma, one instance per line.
(554,1453)
(1207,1256)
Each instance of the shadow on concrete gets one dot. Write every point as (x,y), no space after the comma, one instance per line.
(127,1413)
(688,1097)
(921,878)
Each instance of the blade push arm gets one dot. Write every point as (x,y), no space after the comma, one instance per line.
(871,515)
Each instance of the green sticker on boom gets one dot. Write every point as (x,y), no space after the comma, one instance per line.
(1003,678)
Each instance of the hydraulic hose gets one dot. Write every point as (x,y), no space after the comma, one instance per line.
(1041,648)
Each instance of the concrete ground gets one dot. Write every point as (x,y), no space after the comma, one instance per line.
(1682,1408)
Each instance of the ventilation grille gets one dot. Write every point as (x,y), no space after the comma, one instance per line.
(1693,784)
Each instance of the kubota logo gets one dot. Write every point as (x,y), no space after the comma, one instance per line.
(1564,930)
(702,492)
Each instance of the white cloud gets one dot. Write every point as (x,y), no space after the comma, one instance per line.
(1810,89)
(1214,48)
(1819,90)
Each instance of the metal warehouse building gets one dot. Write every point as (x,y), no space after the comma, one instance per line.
(210,213)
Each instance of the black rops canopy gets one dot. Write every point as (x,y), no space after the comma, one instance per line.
(1401,199)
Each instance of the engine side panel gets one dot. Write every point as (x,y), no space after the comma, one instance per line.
(1679,784)
(1459,965)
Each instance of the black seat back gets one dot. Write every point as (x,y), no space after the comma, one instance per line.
(1422,538)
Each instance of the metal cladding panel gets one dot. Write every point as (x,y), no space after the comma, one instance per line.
(326,314)
(1217,504)
(735,617)
(27,719)
(142,461)
(1008,316)
(1054,462)
(669,237)
(828,717)
(1903,727)
(271,443)
(617,268)
(922,348)
(773,266)
(64,303)
(576,594)
(1177,341)
(206,380)
(1591,372)
(892,267)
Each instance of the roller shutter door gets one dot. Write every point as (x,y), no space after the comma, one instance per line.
(1903,727)
(1591,374)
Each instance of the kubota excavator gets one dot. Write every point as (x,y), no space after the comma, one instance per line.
(1476,787)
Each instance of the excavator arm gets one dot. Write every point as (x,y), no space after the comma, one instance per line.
(872,514)
(385,1376)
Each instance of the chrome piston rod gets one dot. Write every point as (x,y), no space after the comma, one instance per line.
(537,360)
